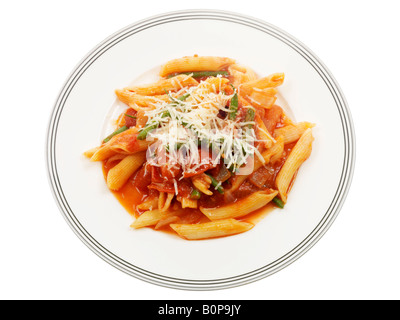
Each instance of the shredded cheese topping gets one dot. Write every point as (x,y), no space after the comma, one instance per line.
(183,125)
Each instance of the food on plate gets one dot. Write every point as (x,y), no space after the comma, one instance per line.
(203,149)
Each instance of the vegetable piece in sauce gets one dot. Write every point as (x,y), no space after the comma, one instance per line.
(122,129)
(233,107)
(195,195)
(216,184)
(278,202)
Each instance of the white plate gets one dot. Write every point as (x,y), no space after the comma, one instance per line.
(82,117)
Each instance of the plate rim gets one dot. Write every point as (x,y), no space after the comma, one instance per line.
(222,283)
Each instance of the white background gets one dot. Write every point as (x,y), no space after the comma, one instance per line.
(42,42)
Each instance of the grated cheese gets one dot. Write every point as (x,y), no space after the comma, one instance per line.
(194,120)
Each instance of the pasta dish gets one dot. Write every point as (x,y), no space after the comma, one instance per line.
(203,149)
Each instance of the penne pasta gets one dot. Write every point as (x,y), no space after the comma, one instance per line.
(195,63)
(264,98)
(293,132)
(153,217)
(89,153)
(272,81)
(138,101)
(148,218)
(188,203)
(164,201)
(102,153)
(297,156)
(275,153)
(150,203)
(241,207)
(166,221)
(213,229)
(202,182)
(164,85)
(241,74)
(116,157)
(120,173)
